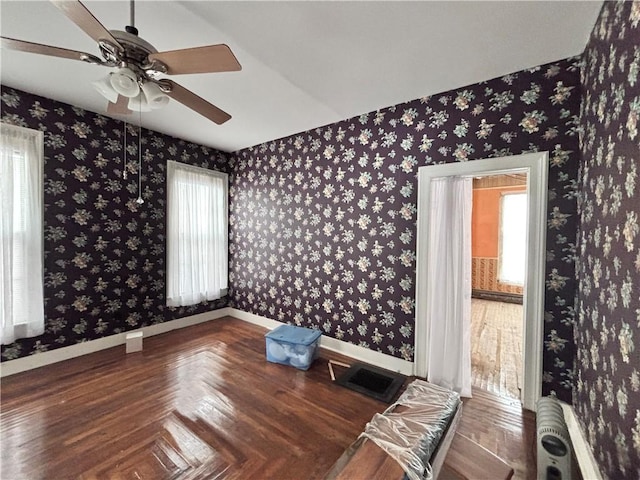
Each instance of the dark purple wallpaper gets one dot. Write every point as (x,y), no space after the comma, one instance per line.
(104,264)
(607,390)
(323,223)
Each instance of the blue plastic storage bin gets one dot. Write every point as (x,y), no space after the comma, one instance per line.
(291,345)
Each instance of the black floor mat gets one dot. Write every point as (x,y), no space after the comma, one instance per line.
(372,381)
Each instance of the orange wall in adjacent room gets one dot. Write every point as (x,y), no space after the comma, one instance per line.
(485,220)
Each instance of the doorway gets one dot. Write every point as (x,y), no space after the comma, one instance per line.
(535,166)
(498,251)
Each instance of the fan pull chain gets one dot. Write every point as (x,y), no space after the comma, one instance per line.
(124,168)
(140,201)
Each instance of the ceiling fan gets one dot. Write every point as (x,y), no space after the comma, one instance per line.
(135,82)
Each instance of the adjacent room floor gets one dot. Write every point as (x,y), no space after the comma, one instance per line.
(496,347)
(203,403)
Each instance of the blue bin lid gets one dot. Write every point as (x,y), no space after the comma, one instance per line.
(293,334)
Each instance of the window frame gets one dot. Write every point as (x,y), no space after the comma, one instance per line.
(499,273)
(25,328)
(173,300)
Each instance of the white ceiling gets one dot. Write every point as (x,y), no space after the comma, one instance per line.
(305,63)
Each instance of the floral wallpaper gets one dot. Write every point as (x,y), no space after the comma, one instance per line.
(104,263)
(607,389)
(323,223)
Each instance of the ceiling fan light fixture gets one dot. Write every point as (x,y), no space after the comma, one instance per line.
(125,82)
(139,103)
(155,97)
(103,86)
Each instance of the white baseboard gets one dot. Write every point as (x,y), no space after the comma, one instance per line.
(254,319)
(37,360)
(584,455)
(356,352)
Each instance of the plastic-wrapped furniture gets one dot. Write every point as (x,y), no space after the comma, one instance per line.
(409,440)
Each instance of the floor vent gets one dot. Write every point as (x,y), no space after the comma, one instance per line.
(374,382)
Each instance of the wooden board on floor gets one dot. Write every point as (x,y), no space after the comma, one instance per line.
(470,461)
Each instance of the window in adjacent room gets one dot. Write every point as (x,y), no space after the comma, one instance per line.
(196,234)
(21,232)
(513,238)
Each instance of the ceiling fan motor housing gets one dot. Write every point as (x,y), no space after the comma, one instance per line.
(136,51)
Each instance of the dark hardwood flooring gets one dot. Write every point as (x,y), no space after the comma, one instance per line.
(203,403)
(501,426)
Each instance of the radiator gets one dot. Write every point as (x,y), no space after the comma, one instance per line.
(555,457)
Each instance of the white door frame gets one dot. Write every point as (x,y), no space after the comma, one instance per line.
(536,167)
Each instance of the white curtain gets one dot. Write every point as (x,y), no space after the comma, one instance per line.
(513,238)
(196,234)
(449,309)
(21,227)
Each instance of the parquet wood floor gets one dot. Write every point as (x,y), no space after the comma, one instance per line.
(496,347)
(203,403)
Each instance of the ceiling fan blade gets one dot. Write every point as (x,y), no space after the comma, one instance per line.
(196,103)
(209,59)
(30,47)
(81,16)
(121,107)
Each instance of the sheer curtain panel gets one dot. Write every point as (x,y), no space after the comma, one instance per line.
(21,227)
(196,234)
(449,311)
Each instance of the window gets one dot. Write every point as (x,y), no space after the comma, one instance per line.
(513,238)
(21,227)
(196,234)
